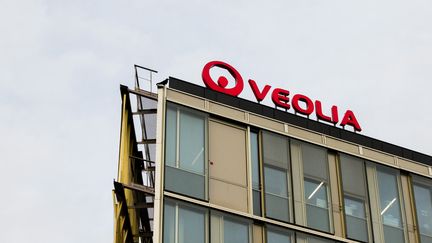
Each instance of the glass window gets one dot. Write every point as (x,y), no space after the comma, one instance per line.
(190,222)
(276,176)
(185,151)
(235,231)
(390,209)
(317,211)
(191,142)
(423,203)
(229,229)
(315,169)
(171,136)
(276,181)
(355,197)
(191,225)
(278,235)
(275,150)
(276,195)
(169,222)
(256,188)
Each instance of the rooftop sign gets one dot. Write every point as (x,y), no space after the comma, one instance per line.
(281,97)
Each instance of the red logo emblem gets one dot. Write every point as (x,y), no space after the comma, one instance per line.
(222,81)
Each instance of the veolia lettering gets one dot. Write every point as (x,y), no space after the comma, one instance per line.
(281,97)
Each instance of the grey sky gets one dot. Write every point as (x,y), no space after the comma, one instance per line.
(61,63)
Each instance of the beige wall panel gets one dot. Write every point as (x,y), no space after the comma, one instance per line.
(216,229)
(374,203)
(306,135)
(227,153)
(342,146)
(257,234)
(227,112)
(409,208)
(335,197)
(228,195)
(297,176)
(266,123)
(405,164)
(188,100)
(374,155)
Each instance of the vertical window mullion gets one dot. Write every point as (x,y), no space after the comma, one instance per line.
(176,231)
(261,173)
(256,182)
(206,158)
(178,139)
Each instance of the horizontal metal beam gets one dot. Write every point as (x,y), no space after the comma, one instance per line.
(147,141)
(141,159)
(146,234)
(141,188)
(145,111)
(144,93)
(148,69)
(142,205)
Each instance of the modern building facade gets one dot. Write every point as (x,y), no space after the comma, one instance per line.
(199,166)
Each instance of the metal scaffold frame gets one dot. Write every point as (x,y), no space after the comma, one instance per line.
(134,187)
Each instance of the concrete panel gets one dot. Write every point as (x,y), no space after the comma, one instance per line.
(305,135)
(342,146)
(266,123)
(184,99)
(377,156)
(411,166)
(227,112)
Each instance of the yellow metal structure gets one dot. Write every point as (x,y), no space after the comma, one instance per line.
(132,198)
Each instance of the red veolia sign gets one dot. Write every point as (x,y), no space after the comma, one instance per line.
(280,97)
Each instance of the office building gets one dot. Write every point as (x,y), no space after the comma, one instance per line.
(199,166)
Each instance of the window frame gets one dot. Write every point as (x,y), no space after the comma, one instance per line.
(177,204)
(307,177)
(425,183)
(287,171)
(356,197)
(205,116)
(375,195)
(222,216)
(260,189)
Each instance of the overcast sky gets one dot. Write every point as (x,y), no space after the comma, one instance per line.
(61,64)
